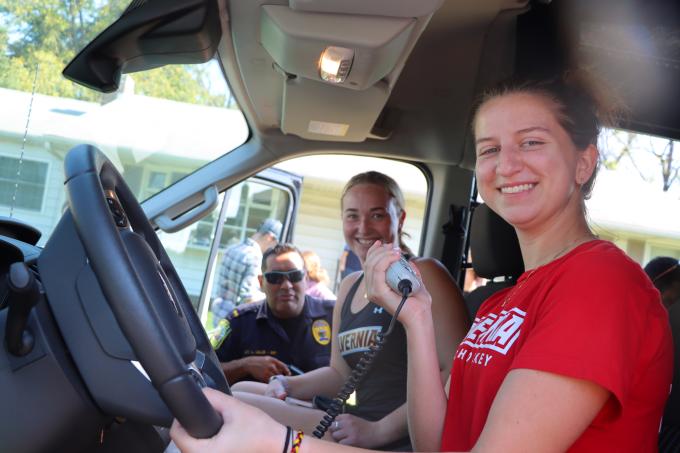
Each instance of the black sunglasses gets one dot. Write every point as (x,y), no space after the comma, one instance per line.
(276,277)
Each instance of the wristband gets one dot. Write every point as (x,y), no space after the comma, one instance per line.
(283,380)
(297,442)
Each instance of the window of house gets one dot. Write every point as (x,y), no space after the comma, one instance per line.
(249,204)
(672,250)
(158,180)
(256,202)
(22,183)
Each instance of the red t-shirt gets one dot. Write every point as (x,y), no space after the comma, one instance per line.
(592,314)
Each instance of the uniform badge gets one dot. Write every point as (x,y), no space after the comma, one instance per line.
(321,331)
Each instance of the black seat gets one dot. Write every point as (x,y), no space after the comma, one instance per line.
(495,253)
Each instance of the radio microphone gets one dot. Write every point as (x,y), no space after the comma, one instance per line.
(400,276)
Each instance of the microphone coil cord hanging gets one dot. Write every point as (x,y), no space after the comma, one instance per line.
(361,369)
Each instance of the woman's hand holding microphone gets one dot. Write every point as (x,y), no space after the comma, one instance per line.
(380,257)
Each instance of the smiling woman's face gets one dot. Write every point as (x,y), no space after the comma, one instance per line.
(528,169)
(368,214)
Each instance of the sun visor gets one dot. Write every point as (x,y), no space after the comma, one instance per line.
(296,41)
(317,111)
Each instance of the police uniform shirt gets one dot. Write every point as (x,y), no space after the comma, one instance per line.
(254,330)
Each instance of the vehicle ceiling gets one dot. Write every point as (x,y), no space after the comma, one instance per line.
(422,112)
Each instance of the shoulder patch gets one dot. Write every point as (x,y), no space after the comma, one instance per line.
(321,331)
(220,333)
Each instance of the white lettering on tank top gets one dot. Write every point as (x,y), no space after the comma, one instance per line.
(357,340)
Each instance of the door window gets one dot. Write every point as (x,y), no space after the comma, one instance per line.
(194,250)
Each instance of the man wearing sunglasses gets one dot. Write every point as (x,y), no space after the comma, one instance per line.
(288,332)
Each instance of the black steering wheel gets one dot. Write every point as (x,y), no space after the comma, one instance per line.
(143,290)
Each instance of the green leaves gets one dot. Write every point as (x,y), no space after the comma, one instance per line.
(47,34)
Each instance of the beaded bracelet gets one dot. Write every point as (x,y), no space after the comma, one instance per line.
(289,435)
(297,442)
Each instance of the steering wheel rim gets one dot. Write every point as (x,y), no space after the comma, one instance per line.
(145,319)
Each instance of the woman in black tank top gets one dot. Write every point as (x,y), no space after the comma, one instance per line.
(372,210)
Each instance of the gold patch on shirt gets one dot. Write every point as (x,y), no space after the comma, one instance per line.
(321,331)
(220,333)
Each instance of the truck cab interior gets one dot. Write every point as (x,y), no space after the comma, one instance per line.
(103,347)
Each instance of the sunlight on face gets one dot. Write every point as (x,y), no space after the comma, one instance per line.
(528,169)
(285,299)
(369,214)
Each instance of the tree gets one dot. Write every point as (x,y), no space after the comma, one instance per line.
(669,167)
(44,35)
(638,149)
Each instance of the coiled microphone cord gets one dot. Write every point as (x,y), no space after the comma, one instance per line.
(362,368)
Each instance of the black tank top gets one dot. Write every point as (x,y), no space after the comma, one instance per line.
(383,389)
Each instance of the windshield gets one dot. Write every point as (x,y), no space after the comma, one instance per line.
(158,127)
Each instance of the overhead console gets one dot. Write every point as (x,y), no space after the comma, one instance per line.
(337,61)
(364,49)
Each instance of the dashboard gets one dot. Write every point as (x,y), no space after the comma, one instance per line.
(70,367)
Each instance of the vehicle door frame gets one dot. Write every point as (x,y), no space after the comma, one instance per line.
(290,183)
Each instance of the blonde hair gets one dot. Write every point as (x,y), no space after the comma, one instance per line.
(315,271)
(391,187)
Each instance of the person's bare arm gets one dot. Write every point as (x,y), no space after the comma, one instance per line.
(442,328)
(426,399)
(450,316)
(247,429)
(540,412)
(533,411)
(260,368)
(324,381)
(352,430)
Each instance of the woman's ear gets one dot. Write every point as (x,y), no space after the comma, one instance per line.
(586,164)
